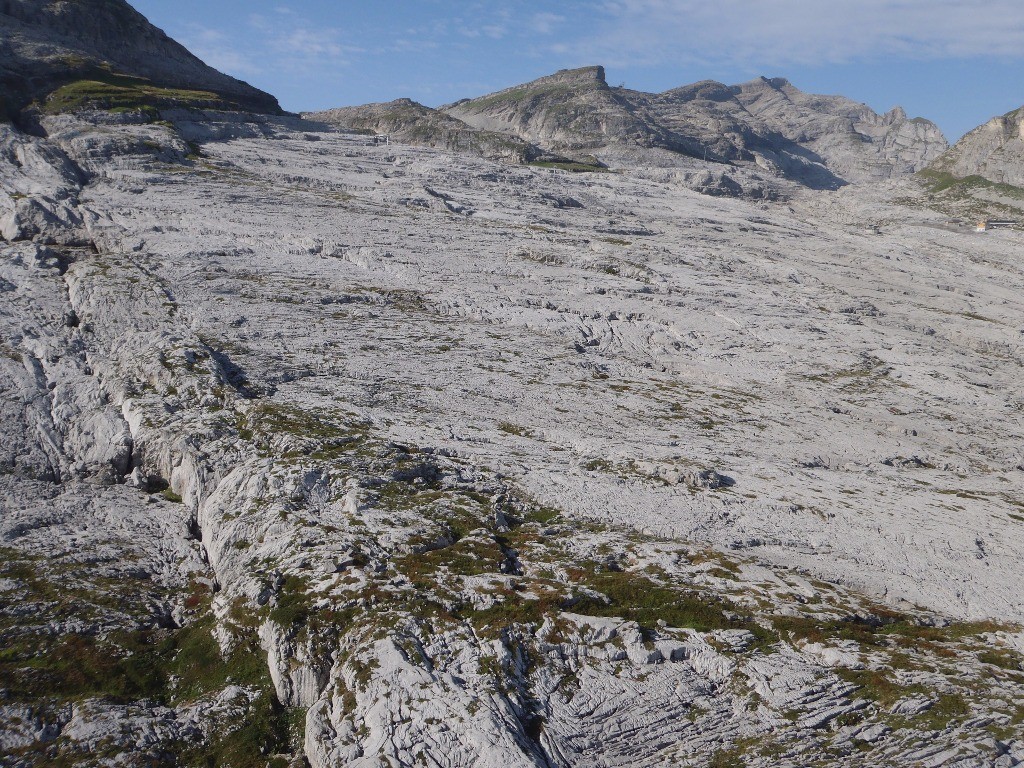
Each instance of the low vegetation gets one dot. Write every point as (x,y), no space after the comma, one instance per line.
(123,93)
(941,181)
(570,166)
(972,197)
(130,661)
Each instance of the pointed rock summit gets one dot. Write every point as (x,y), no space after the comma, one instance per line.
(48,44)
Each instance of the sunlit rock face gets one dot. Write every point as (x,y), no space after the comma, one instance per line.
(372,455)
(994,151)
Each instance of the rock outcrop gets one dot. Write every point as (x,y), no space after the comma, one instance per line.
(994,151)
(412,123)
(47,44)
(572,110)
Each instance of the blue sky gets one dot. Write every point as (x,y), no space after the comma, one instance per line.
(957,62)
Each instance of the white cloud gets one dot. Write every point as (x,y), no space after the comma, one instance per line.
(295,43)
(307,42)
(778,32)
(216,49)
(545,23)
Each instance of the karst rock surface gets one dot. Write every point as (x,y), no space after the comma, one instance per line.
(317,451)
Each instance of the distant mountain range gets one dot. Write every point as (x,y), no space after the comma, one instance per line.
(821,141)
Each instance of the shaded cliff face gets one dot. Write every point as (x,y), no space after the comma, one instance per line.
(413,123)
(994,151)
(47,44)
(821,141)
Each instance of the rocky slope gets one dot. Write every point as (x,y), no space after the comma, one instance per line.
(379,455)
(824,141)
(993,151)
(571,110)
(320,453)
(820,141)
(412,123)
(48,44)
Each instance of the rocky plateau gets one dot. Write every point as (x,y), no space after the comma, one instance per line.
(323,452)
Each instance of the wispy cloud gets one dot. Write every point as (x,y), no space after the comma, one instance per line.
(293,42)
(779,32)
(493,31)
(545,23)
(306,42)
(219,51)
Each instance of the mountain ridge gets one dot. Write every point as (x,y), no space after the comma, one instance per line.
(49,44)
(410,121)
(765,124)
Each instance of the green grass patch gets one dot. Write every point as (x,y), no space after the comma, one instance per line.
(636,598)
(941,181)
(469,556)
(293,604)
(728,758)
(885,628)
(878,685)
(513,609)
(120,93)
(171,496)
(124,667)
(572,167)
(543,515)
(315,433)
(514,429)
(1002,658)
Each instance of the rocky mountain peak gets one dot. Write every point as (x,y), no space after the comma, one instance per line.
(896,114)
(711,90)
(570,110)
(593,75)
